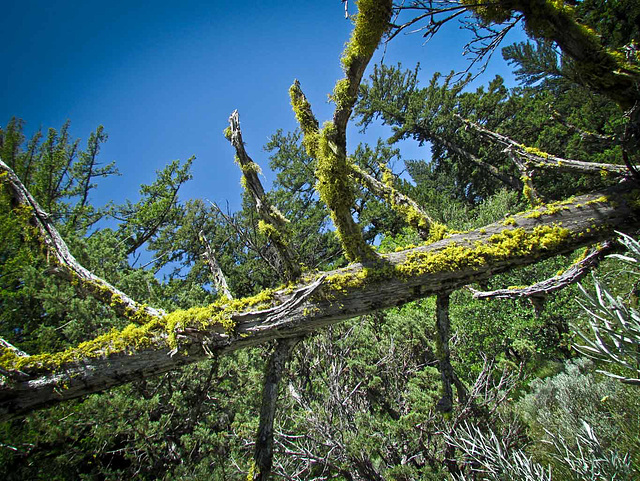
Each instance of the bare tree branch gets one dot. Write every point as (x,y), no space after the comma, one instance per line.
(541,289)
(219,280)
(541,159)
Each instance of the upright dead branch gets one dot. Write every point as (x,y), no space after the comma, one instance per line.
(273,224)
(275,227)
(65,263)
(219,280)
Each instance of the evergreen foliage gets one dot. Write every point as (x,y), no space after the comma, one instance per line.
(359,400)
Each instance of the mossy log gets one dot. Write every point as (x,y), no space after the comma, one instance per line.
(30,382)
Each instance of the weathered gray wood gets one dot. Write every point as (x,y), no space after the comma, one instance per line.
(329,298)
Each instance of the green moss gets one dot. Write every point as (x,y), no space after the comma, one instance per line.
(129,339)
(506,244)
(227,133)
(135,337)
(509,221)
(371,22)
(549,209)
(437,232)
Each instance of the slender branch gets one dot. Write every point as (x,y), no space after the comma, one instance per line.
(541,289)
(543,160)
(67,264)
(526,175)
(244,237)
(407,207)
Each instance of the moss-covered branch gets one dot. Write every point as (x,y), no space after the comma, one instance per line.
(192,335)
(329,145)
(604,70)
(64,262)
(573,274)
(542,160)
(412,213)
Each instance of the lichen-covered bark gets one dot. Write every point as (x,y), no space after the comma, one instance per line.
(29,382)
(65,263)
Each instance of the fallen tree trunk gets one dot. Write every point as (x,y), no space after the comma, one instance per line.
(182,337)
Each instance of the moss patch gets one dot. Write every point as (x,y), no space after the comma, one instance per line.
(135,337)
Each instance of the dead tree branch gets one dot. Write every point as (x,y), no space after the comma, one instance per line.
(273,224)
(66,264)
(219,280)
(542,289)
(137,352)
(543,160)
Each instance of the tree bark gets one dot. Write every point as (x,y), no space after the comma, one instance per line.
(263,454)
(327,298)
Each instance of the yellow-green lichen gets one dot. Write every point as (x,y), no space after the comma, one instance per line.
(489,11)
(411,215)
(335,187)
(133,337)
(227,133)
(371,22)
(304,115)
(506,244)
(536,152)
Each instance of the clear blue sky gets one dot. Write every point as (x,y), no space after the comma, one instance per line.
(163,77)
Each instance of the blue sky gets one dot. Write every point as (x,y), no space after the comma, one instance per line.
(163,77)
